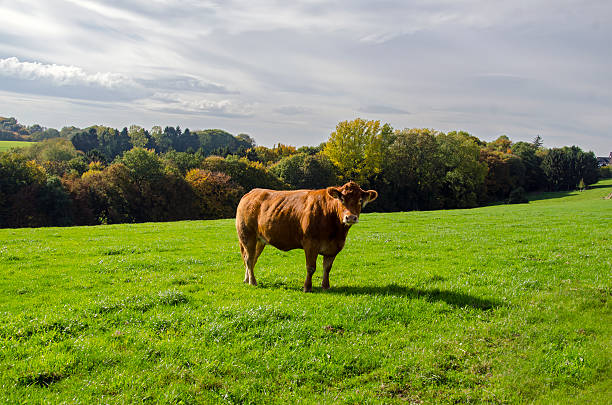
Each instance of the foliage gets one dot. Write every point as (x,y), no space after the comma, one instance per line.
(218,195)
(20,182)
(357,149)
(144,165)
(506,172)
(564,167)
(501,144)
(11,130)
(302,171)
(215,140)
(535,179)
(414,171)
(464,174)
(248,175)
(139,137)
(269,156)
(181,162)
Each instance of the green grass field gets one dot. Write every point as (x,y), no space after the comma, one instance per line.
(501,304)
(8,145)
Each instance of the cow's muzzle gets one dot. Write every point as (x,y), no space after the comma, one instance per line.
(350,219)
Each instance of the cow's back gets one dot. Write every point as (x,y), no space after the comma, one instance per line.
(279,218)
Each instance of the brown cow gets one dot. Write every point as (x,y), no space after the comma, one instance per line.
(314,220)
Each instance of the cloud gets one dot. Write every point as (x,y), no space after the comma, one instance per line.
(74,82)
(292,110)
(382,109)
(61,75)
(179,104)
(185,83)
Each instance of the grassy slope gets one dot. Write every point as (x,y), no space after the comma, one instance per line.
(497,304)
(7,145)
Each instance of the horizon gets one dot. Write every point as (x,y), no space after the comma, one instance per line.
(289,74)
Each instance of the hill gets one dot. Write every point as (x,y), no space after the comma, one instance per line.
(500,304)
(7,145)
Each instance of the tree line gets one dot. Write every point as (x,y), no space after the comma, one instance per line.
(100,175)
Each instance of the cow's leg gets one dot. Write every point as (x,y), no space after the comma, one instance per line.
(311,266)
(253,255)
(251,248)
(243,250)
(327,265)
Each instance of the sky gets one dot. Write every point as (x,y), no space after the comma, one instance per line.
(288,72)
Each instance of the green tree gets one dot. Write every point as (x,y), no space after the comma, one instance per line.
(302,171)
(139,138)
(143,164)
(534,175)
(564,167)
(464,173)
(415,170)
(161,140)
(506,172)
(357,148)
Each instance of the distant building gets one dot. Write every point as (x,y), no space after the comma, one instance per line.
(605,161)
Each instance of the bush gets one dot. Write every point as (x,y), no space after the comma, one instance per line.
(517,196)
(605,172)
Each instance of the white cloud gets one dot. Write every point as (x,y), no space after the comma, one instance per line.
(61,75)
(190,104)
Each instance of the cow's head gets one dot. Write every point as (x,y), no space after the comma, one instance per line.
(353,199)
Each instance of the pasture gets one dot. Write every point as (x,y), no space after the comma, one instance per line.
(501,304)
(8,145)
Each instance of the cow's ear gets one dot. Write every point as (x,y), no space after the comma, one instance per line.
(369,196)
(334,192)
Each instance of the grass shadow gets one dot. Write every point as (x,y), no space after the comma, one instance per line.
(456,299)
(549,195)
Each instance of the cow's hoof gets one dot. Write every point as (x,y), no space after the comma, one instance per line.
(307,289)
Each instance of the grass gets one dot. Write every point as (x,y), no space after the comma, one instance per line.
(501,304)
(8,145)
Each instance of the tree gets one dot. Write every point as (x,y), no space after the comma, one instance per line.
(218,196)
(56,149)
(537,142)
(414,170)
(181,162)
(85,140)
(139,138)
(302,171)
(564,167)
(505,173)
(534,176)
(20,182)
(112,143)
(357,149)
(161,140)
(247,174)
(464,174)
(501,144)
(144,165)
